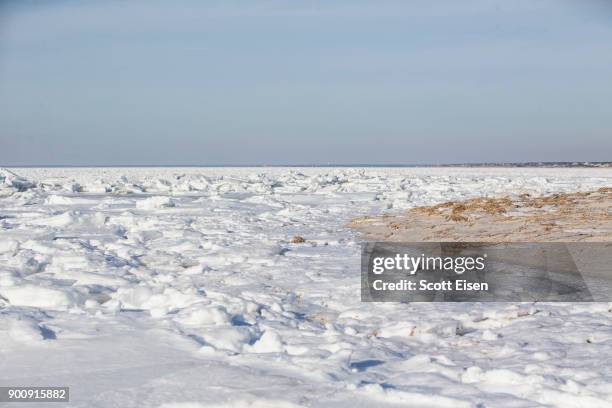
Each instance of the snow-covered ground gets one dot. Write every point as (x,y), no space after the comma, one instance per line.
(179,287)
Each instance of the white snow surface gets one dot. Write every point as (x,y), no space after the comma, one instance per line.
(179,288)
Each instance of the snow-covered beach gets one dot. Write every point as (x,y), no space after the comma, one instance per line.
(179,287)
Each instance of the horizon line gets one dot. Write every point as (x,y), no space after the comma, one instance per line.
(576,163)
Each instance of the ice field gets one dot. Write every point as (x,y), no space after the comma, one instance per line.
(179,287)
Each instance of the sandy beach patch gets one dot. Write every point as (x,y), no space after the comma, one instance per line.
(580,216)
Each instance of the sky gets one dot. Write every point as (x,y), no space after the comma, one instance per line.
(304,82)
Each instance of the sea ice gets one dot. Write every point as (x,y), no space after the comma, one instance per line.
(180,288)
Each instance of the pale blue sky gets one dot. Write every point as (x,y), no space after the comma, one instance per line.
(288,82)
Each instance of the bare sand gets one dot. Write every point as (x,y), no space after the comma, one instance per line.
(565,217)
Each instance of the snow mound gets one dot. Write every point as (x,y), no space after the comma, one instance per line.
(244,403)
(20,329)
(153,203)
(269,342)
(38,296)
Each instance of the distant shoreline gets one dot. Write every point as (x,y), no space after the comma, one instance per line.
(574,164)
